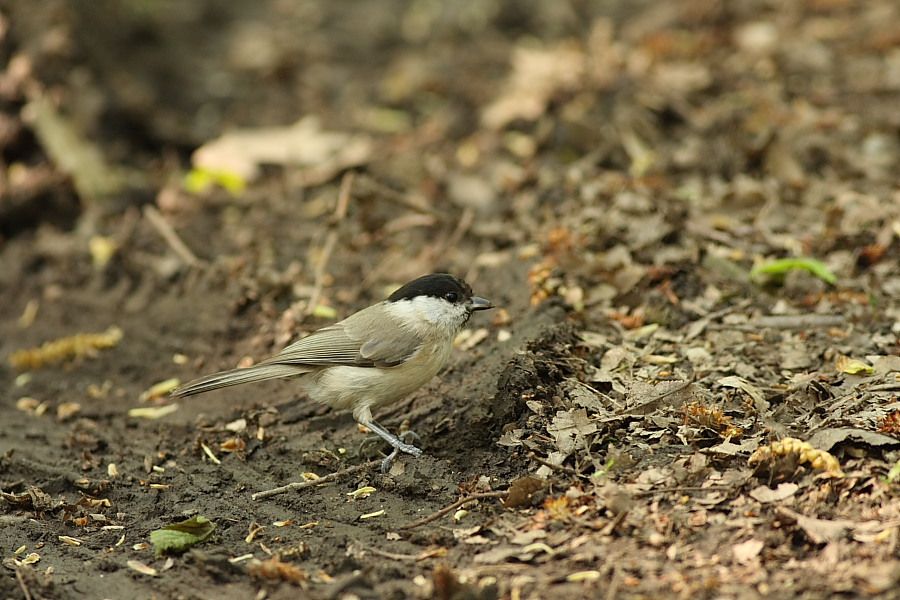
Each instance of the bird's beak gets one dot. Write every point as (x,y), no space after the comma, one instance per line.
(479,303)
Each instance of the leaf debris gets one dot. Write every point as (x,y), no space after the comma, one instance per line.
(64,349)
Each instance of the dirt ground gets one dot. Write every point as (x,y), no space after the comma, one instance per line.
(658,409)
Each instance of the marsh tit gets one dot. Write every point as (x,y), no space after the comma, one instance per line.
(372,358)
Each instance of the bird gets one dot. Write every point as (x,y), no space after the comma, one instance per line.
(371,359)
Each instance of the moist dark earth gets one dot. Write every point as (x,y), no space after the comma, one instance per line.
(658,407)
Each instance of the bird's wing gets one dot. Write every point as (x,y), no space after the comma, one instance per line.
(350,342)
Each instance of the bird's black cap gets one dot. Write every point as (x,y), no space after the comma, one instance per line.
(438,285)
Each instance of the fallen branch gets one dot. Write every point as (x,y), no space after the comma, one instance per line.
(300,485)
(437,515)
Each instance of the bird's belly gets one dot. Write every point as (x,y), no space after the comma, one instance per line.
(347,387)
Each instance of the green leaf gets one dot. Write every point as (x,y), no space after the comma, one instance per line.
(200,180)
(776,269)
(180,536)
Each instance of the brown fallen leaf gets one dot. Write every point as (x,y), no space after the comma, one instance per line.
(522,491)
(275,569)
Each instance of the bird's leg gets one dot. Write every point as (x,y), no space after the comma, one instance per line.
(406,436)
(396,443)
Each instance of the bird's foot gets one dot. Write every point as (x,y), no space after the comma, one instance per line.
(399,444)
(388,461)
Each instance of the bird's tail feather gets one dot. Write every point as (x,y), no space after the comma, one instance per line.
(237,377)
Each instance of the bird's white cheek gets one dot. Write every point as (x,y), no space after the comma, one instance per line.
(429,317)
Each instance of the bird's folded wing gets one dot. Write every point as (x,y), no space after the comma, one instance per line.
(351,342)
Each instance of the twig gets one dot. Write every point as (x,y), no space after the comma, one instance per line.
(300,485)
(614,582)
(884,387)
(340,212)
(462,226)
(171,238)
(437,515)
(22,584)
(373,186)
(646,407)
(393,555)
(685,488)
(807,321)
(549,464)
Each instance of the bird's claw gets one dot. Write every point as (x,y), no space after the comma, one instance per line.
(388,461)
(399,444)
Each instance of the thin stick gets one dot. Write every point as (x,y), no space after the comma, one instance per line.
(375,187)
(22,584)
(685,488)
(613,588)
(300,485)
(648,406)
(805,321)
(549,464)
(392,555)
(340,212)
(462,226)
(171,238)
(447,509)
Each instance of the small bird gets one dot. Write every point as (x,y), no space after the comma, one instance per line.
(372,358)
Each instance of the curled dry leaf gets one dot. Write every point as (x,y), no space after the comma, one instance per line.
(33,498)
(363,492)
(759,399)
(233,444)
(371,515)
(522,491)
(67,410)
(141,568)
(155,412)
(159,390)
(275,569)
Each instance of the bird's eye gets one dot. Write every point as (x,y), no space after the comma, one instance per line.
(451,296)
